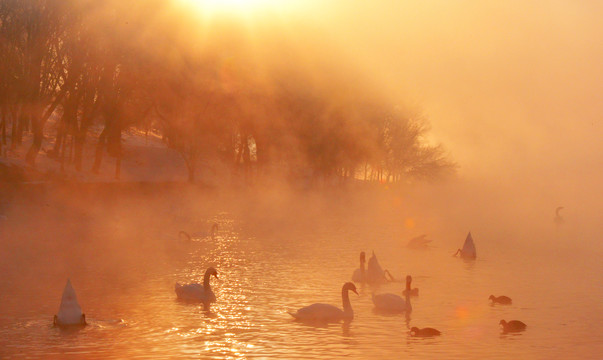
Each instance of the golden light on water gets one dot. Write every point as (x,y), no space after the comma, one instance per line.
(299,109)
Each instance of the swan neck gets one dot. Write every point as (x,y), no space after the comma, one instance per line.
(345,297)
(206,285)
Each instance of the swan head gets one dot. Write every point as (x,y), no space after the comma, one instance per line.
(362,257)
(492,297)
(503,323)
(414,329)
(349,286)
(408,279)
(211,271)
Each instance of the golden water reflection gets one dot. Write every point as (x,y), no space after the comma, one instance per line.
(264,275)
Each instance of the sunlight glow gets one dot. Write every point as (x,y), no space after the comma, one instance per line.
(241,7)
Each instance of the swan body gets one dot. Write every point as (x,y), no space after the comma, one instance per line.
(328,313)
(70,312)
(392,303)
(211,233)
(419,242)
(424,332)
(468,250)
(359,274)
(375,273)
(408,290)
(185,236)
(198,292)
(512,326)
(504,300)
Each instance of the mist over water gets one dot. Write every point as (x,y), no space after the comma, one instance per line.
(276,251)
(513,92)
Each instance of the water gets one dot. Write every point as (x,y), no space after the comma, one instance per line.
(123,260)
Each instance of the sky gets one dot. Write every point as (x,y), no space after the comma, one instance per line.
(508,85)
(512,89)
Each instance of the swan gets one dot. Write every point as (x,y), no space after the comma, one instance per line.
(408,290)
(468,250)
(70,312)
(512,326)
(419,242)
(558,219)
(504,300)
(326,312)
(424,332)
(196,292)
(359,274)
(184,234)
(375,274)
(211,233)
(392,303)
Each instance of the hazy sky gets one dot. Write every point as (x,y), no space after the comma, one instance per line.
(508,85)
(513,89)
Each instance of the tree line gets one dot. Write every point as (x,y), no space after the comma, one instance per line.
(155,64)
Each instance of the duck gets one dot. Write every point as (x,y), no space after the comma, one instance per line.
(512,326)
(504,300)
(392,303)
(70,312)
(328,313)
(419,242)
(359,274)
(408,290)
(424,332)
(198,292)
(468,251)
(375,274)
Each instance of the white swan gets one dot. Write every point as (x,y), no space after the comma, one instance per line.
(375,274)
(70,312)
(186,237)
(208,234)
(328,313)
(468,250)
(392,303)
(196,292)
(359,274)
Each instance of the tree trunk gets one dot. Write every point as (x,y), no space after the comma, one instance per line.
(191,164)
(38,136)
(13,133)
(118,167)
(100,146)
(2,128)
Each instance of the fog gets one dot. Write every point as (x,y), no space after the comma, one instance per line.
(512,91)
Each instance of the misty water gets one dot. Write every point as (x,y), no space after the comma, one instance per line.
(277,252)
